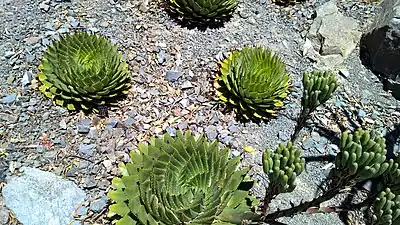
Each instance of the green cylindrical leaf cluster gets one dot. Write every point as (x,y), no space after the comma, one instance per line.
(204,9)
(180,180)
(283,166)
(318,88)
(362,155)
(255,81)
(391,177)
(386,208)
(82,71)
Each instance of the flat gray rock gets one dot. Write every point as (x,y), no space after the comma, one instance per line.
(42,198)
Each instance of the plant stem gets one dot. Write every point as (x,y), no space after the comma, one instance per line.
(301,122)
(302,207)
(269,195)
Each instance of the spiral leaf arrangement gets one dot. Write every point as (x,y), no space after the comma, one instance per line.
(204,9)
(255,80)
(386,208)
(180,180)
(287,2)
(318,88)
(83,70)
(282,167)
(362,155)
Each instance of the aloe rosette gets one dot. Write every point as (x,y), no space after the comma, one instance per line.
(204,9)
(180,180)
(81,70)
(255,80)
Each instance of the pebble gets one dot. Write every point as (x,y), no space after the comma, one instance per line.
(308,143)
(104,24)
(187,84)
(90,182)
(32,40)
(4,215)
(86,149)
(211,132)
(344,72)
(171,131)
(44,7)
(26,79)
(63,124)
(83,126)
(172,75)
(10,79)
(8,54)
(284,136)
(10,98)
(361,113)
(161,57)
(112,122)
(182,125)
(82,211)
(98,205)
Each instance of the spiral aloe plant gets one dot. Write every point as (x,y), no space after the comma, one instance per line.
(386,208)
(204,9)
(82,71)
(180,180)
(362,155)
(255,80)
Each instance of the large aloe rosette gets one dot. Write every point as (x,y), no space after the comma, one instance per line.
(204,9)
(180,180)
(82,71)
(255,80)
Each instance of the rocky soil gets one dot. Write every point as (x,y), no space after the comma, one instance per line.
(173,67)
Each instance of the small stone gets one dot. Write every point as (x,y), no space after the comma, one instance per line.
(90,182)
(161,57)
(252,20)
(8,54)
(129,122)
(98,205)
(74,24)
(10,98)
(182,125)
(173,76)
(233,128)
(82,211)
(10,79)
(344,72)
(45,41)
(185,102)
(361,113)
(187,84)
(211,132)
(63,124)
(86,149)
(32,40)
(112,122)
(320,147)
(93,134)
(26,79)
(107,164)
(171,131)
(244,13)
(44,7)
(104,24)
(308,144)
(144,6)
(4,215)
(315,136)
(227,140)
(284,136)
(84,126)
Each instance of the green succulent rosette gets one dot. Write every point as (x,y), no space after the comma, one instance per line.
(204,9)
(255,81)
(81,71)
(180,180)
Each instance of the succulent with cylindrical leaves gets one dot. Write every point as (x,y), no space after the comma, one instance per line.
(83,71)
(180,180)
(318,88)
(362,155)
(386,208)
(391,177)
(204,9)
(254,80)
(282,167)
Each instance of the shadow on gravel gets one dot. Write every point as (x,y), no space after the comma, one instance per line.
(392,138)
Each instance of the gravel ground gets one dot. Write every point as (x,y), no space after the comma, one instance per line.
(173,67)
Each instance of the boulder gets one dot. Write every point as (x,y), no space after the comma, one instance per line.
(42,198)
(333,35)
(380,46)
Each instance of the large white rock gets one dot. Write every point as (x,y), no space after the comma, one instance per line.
(333,35)
(42,198)
(380,46)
